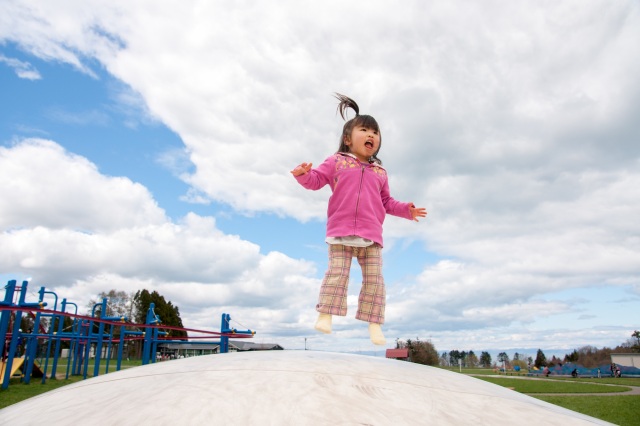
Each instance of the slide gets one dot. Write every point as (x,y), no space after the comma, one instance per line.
(17,365)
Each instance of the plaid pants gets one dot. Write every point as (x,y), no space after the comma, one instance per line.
(333,292)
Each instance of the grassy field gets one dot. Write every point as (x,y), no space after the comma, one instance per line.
(619,409)
(553,386)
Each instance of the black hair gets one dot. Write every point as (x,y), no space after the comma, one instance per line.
(359,120)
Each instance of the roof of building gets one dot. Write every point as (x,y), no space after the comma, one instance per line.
(251,346)
(187,345)
(238,345)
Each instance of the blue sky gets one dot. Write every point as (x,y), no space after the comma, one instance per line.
(151,149)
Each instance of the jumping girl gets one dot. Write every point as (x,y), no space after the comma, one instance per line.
(357,208)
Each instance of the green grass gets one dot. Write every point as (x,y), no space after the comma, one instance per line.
(624,381)
(621,410)
(61,369)
(17,391)
(555,386)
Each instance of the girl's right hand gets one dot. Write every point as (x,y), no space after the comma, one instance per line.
(301,169)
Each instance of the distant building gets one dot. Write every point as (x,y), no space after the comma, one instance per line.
(241,346)
(178,350)
(401,354)
(626,360)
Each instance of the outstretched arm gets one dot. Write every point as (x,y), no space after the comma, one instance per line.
(417,212)
(314,179)
(301,169)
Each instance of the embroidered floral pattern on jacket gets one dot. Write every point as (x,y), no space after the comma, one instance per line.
(346,162)
(379,170)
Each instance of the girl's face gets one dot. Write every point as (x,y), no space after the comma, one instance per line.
(363,142)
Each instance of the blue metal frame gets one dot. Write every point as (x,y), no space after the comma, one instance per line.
(81,337)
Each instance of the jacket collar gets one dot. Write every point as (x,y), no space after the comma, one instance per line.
(348,154)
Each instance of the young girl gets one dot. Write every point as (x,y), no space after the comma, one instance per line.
(357,207)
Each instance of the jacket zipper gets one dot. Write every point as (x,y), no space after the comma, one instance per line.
(355,220)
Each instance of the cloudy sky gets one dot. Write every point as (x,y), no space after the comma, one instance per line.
(148,145)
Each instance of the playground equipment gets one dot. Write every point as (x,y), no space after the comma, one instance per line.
(576,370)
(290,388)
(17,365)
(87,336)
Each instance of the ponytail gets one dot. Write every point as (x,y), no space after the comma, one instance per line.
(346,102)
(359,120)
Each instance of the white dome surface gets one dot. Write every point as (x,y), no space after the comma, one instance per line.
(286,388)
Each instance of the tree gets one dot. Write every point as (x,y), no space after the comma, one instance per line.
(472,359)
(420,352)
(572,357)
(636,344)
(518,363)
(119,303)
(454,357)
(503,358)
(541,360)
(169,314)
(444,359)
(485,359)
(591,357)
(554,361)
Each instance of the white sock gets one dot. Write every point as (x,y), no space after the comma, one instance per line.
(375,333)
(323,324)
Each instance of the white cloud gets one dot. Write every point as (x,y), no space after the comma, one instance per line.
(80,233)
(22,69)
(259,82)
(49,187)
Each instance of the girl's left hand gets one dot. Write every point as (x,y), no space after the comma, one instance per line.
(417,212)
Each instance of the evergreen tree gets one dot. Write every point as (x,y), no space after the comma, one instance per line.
(541,360)
(169,314)
(454,356)
(485,359)
(636,343)
(572,357)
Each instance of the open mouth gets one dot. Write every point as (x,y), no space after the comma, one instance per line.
(369,144)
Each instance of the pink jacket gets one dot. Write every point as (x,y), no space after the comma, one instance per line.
(360,196)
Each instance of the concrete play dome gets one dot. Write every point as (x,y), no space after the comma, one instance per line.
(286,388)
